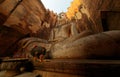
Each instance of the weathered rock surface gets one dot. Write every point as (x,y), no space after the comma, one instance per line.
(36,21)
(107,10)
(8,38)
(27,44)
(92,46)
(6,8)
(25,18)
(100,15)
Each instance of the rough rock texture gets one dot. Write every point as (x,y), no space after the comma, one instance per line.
(84,23)
(26,45)
(27,19)
(97,15)
(104,13)
(6,8)
(8,38)
(48,24)
(31,17)
(24,18)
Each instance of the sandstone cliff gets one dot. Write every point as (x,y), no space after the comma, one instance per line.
(24,18)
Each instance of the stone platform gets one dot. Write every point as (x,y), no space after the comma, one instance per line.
(87,68)
(70,68)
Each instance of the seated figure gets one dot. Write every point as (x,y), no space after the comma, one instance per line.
(68,43)
(63,35)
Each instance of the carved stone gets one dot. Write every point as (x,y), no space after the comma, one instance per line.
(92,46)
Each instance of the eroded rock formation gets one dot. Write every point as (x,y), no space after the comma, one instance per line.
(24,18)
(8,38)
(26,23)
(36,21)
(103,14)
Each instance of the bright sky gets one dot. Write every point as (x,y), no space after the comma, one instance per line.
(57,5)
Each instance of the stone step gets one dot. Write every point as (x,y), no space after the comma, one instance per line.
(80,67)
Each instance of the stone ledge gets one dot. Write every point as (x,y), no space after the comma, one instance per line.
(81,67)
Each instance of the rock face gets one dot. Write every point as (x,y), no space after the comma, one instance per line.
(6,8)
(24,18)
(99,15)
(104,13)
(8,38)
(26,45)
(82,37)
(29,18)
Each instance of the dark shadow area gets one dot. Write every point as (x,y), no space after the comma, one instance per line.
(110,20)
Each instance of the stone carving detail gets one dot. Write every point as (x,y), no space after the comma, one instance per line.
(65,32)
